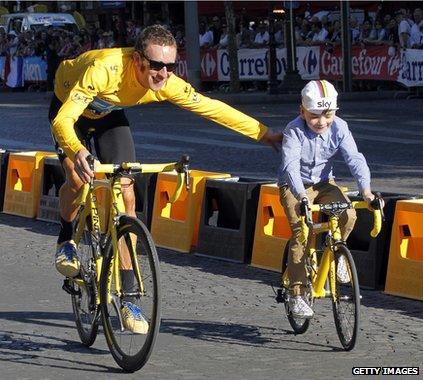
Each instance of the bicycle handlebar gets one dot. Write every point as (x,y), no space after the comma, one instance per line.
(181,167)
(337,207)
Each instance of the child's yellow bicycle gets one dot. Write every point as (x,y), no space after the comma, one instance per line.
(331,273)
(101,242)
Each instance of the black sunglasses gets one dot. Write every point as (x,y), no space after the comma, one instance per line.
(158,65)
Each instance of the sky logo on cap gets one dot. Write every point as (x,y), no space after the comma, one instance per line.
(324,104)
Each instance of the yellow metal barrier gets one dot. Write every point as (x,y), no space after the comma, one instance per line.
(405,266)
(23,183)
(175,225)
(272,230)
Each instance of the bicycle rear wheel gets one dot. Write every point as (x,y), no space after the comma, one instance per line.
(85,290)
(299,325)
(345,297)
(131,350)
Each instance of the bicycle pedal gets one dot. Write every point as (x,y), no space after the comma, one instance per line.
(68,288)
(280,295)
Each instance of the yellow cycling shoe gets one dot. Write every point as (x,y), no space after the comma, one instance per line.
(66,259)
(133,319)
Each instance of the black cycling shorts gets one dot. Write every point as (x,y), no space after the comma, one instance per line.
(110,134)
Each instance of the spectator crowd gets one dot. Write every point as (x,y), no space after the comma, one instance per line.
(401,29)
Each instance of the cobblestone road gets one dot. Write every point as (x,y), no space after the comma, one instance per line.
(219,321)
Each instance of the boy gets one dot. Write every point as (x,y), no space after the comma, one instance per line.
(310,143)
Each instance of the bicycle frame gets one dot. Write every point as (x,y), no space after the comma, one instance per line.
(319,273)
(116,207)
(89,203)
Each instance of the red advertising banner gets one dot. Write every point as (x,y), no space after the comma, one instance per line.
(370,62)
(181,69)
(208,65)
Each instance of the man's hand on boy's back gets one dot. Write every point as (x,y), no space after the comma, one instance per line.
(274,139)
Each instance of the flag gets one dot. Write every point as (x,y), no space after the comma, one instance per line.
(14,67)
(6,68)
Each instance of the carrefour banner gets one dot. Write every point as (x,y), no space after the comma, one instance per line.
(411,71)
(253,64)
(372,62)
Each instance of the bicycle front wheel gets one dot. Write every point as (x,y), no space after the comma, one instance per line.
(84,290)
(299,325)
(345,297)
(131,349)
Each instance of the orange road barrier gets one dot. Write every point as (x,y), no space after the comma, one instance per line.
(272,230)
(23,183)
(405,266)
(175,226)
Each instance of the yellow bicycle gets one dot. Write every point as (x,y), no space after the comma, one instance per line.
(101,241)
(324,280)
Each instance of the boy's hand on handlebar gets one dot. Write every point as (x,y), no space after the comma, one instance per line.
(375,202)
(274,139)
(82,167)
(368,197)
(301,205)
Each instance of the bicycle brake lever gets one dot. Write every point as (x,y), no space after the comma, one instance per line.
(304,206)
(187,178)
(305,210)
(91,159)
(377,204)
(183,167)
(182,163)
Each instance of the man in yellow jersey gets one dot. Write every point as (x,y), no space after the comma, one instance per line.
(90,92)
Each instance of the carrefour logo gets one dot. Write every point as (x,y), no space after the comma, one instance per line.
(208,64)
(310,62)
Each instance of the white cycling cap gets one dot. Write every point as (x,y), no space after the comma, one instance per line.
(319,96)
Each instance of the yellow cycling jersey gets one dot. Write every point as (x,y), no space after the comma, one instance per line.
(100,81)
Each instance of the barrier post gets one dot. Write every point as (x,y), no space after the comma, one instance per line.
(272,230)
(4,159)
(405,265)
(371,254)
(23,183)
(52,179)
(175,226)
(228,218)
